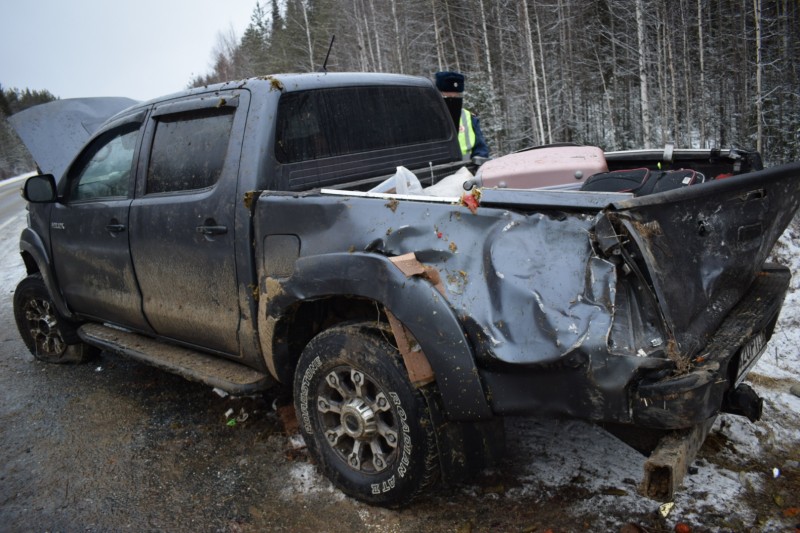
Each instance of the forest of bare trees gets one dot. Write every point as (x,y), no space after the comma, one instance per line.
(614,73)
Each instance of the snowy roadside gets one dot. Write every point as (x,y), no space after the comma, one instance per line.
(11,267)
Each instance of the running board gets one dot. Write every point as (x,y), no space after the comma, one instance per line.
(229,376)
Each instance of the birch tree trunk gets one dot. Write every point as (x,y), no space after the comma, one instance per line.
(377,36)
(566,70)
(452,37)
(688,103)
(612,129)
(676,128)
(661,79)
(438,37)
(759,69)
(701,47)
(645,100)
(308,37)
(397,46)
(362,36)
(536,115)
(544,81)
(489,72)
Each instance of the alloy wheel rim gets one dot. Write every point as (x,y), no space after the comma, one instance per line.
(43,327)
(359,422)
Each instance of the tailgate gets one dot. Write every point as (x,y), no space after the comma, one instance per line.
(700,248)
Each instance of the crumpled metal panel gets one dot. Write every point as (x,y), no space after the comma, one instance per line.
(541,294)
(702,246)
(530,287)
(55,132)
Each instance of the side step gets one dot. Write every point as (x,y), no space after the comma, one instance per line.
(229,376)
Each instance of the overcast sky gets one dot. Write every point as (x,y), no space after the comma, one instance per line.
(135,48)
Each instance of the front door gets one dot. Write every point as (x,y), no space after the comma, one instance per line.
(89,229)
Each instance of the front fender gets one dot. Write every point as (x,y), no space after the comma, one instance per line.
(414,301)
(32,246)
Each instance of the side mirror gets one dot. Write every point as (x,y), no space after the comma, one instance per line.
(40,189)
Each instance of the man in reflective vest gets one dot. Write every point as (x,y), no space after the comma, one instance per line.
(470,137)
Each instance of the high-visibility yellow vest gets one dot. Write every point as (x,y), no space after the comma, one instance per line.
(466,135)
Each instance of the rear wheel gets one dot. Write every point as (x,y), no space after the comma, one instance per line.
(49,336)
(369,429)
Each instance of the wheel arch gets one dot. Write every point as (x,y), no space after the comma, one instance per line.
(305,319)
(37,259)
(371,284)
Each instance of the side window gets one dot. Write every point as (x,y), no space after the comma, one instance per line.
(105,167)
(189,150)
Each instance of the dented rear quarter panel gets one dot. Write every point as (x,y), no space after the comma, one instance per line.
(521,289)
(502,271)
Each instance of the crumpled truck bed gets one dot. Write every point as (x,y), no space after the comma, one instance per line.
(585,294)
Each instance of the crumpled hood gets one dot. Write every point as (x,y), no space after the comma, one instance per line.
(54,132)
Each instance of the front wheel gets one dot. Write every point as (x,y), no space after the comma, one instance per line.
(368,428)
(49,336)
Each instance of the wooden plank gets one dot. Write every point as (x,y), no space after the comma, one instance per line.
(666,467)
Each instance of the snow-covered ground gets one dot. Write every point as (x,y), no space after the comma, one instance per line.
(739,479)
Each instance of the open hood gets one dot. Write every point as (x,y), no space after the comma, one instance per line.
(54,132)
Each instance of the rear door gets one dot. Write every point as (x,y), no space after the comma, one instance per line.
(182,220)
(89,228)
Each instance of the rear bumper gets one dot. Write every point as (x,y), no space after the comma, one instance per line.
(689,399)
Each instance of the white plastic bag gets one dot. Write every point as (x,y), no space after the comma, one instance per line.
(451,186)
(407,182)
(403,182)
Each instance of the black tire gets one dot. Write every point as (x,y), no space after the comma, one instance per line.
(50,337)
(368,428)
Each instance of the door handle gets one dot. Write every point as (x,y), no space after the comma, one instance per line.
(212,230)
(115,228)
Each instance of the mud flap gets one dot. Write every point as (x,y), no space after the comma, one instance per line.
(465,448)
(666,467)
(743,401)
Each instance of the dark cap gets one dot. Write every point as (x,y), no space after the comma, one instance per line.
(452,82)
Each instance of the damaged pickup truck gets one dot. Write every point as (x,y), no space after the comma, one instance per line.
(229,234)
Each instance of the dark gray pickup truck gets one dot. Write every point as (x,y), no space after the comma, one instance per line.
(229,234)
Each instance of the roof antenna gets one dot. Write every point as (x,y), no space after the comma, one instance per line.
(325,64)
